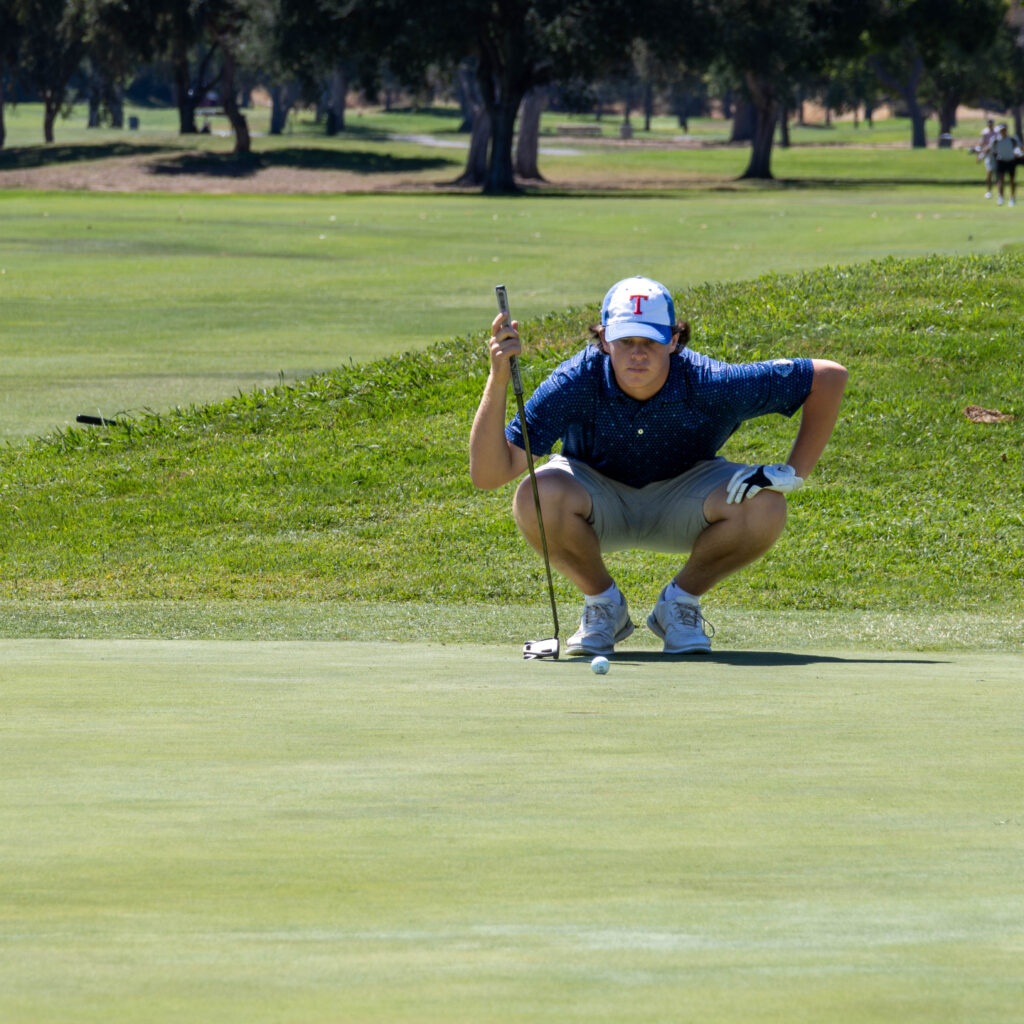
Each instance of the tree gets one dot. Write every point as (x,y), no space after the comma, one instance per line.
(1007,60)
(528,138)
(52,47)
(849,85)
(912,39)
(772,46)
(10,38)
(318,41)
(226,22)
(518,45)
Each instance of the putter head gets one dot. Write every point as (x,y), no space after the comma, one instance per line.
(541,649)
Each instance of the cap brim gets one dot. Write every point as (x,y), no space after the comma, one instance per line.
(635,329)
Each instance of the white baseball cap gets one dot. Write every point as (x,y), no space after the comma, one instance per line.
(638,307)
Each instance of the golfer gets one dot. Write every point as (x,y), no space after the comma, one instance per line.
(984,151)
(641,418)
(1006,148)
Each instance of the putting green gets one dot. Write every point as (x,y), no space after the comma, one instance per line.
(239,831)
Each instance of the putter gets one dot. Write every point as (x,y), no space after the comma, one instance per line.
(532,648)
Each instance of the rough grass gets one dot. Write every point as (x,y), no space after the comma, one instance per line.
(352,485)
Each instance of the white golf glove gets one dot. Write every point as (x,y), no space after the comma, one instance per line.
(746,482)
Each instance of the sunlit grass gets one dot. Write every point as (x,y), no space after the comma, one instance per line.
(352,485)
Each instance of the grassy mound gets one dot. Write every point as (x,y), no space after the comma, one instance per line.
(352,485)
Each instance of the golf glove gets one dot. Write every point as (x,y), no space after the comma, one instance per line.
(746,482)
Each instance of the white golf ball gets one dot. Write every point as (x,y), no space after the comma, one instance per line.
(600,665)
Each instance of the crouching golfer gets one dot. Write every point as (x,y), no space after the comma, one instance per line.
(641,418)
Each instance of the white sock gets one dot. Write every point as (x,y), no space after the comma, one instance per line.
(612,594)
(674,592)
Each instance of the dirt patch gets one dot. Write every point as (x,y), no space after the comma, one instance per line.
(149,173)
(298,171)
(977,414)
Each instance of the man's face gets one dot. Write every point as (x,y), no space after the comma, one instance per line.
(640,365)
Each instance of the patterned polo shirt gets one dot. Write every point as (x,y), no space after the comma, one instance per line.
(699,407)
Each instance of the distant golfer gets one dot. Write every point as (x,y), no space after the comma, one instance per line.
(984,151)
(641,419)
(1006,149)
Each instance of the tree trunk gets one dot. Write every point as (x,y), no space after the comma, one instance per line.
(469,95)
(648,104)
(919,137)
(186,99)
(239,125)
(528,140)
(784,127)
(50,109)
(743,121)
(500,179)
(1018,121)
(336,100)
(282,97)
(680,104)
(766,115)
(116,106)
(476,162)
(947,114)
(3,124)
(908,90)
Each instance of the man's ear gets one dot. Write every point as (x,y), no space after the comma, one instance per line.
(601,343)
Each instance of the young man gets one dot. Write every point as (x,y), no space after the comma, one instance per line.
(641,418)
(1006,148)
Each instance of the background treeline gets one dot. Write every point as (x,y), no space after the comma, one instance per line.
(505,60)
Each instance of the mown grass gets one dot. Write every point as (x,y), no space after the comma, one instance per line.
(352,485)
(24,126)
(132,302)
(407,834)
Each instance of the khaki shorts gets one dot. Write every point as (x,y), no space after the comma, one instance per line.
(666,516)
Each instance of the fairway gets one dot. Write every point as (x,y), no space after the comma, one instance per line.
(116,304)
(364,832)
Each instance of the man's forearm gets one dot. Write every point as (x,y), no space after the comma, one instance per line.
(491,461)
(818,416)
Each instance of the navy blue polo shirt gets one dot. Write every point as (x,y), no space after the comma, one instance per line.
(699,407)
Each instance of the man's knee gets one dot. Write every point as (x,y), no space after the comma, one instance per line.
(766,516)
(560,496)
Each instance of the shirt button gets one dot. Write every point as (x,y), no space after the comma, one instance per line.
(640,431)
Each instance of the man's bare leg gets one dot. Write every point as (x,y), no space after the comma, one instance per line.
(737,535)
(573,547)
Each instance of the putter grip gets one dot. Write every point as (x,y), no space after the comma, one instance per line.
(501,293)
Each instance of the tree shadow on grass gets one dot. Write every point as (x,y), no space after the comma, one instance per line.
(230,165)
(31,157)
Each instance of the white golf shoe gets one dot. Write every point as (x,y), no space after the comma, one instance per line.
(603,625)
(680,624)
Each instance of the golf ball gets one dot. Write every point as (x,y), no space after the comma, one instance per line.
(600,665)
